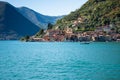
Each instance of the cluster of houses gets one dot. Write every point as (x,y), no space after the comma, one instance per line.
(69,35)
(102,34)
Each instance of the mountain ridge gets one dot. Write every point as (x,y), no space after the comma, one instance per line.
(14,24)
(38,18)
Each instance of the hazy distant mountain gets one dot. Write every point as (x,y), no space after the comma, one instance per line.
(18,22)
(37,18)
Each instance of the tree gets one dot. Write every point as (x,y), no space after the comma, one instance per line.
(40,33)
(50,26)
(26,38)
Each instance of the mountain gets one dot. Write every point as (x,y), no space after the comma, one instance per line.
(94,13)
(18,22)
(96,20)
(37,18)
(13,25)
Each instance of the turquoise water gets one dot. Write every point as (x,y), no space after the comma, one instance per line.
(59,61)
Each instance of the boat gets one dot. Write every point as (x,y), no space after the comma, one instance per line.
(85,42)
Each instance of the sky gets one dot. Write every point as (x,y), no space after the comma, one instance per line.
(49,7)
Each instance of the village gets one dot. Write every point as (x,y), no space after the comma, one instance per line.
(100,34)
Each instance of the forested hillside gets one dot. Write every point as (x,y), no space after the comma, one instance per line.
(94,13)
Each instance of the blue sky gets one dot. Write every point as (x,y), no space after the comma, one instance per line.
(49,7)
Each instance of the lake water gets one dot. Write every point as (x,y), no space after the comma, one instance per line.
(59,61)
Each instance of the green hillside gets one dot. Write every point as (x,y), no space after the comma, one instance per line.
(96,20)
(94,13)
